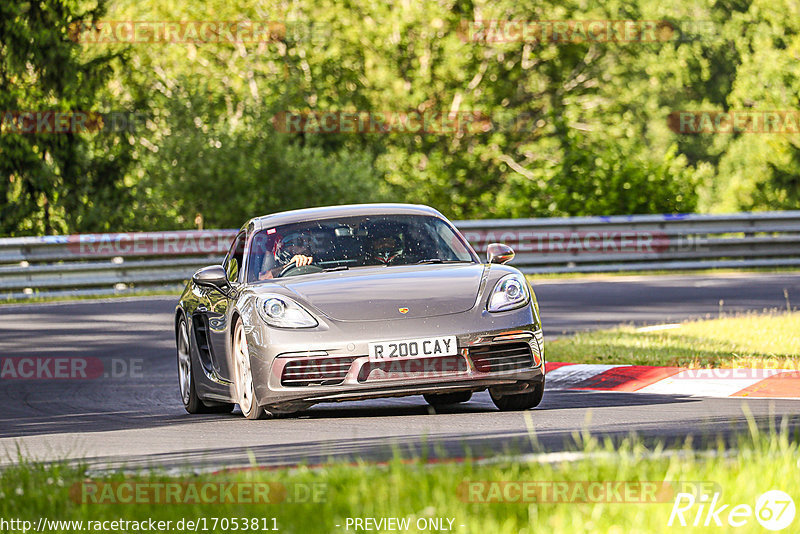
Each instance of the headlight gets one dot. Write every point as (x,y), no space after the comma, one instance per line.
(509,293)
(284,313)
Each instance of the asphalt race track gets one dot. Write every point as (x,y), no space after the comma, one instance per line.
(133,418)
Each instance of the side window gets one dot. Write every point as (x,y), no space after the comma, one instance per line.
(233,262)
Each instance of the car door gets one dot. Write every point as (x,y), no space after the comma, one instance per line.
(219,306)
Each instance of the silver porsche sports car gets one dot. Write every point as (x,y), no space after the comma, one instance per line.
(356,302)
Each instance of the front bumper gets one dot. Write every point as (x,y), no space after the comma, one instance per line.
(295,369)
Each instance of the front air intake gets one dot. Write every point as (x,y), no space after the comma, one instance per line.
(501,357)
(326,371)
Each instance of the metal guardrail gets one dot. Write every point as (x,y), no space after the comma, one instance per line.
(130,262)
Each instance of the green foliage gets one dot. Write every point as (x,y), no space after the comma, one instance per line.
(229,171)
(578,128)
(56,182)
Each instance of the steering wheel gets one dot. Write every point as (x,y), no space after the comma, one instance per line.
(388,261)
(305,269)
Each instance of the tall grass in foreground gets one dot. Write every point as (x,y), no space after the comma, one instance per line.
(413,489)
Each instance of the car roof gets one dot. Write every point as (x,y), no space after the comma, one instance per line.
(329,212)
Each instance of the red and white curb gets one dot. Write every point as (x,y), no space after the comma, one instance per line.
(756,383)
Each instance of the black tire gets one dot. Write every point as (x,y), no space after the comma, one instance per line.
(444,399)
(191,400)
(243,382)
(519,401)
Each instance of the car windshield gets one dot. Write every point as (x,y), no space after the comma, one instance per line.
(352,242)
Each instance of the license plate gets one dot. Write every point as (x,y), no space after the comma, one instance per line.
(413,348)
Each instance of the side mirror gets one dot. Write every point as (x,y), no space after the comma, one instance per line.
(213,276)
(499,253)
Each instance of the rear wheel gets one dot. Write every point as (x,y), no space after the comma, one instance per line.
(519,401)
(191,401)
(444,399)
(245,392)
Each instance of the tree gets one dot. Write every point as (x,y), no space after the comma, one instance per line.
(55,182)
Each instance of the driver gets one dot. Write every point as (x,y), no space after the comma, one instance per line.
(298,252)
(385,247)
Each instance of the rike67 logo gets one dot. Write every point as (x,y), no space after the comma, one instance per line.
(774,510)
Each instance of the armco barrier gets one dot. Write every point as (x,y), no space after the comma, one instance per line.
(126,262)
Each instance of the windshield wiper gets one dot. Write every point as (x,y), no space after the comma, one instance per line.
(337,268)
(439,260)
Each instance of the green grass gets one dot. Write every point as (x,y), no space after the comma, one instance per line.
(417,490)
(770,340)
(35,299)
(534,278)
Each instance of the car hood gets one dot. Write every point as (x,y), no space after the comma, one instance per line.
(380,293)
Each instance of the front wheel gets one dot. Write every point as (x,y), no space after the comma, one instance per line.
(191,401)
(245,392)
(519,401)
